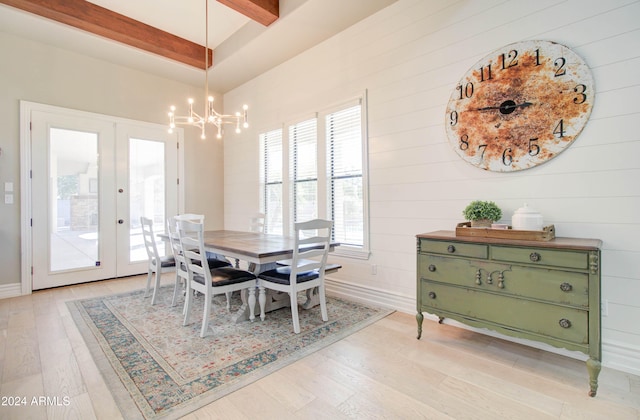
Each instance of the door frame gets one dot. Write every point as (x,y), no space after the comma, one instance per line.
(26,204)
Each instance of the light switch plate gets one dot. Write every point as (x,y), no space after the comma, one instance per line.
(8,199)
(8,187)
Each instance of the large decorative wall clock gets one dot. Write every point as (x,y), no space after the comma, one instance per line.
(520,106)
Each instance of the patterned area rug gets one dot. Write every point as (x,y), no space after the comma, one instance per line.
(156,368)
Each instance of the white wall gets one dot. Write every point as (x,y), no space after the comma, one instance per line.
(409,57)
(40,73)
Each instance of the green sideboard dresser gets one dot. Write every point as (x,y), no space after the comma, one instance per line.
(546,291)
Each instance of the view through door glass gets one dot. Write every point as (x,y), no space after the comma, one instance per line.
(74,195)
(146,193)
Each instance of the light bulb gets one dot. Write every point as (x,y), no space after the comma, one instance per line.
(170,130)
(219,136)
(190,100)
(172,108)
(210,98)
(245,107)
(245,125)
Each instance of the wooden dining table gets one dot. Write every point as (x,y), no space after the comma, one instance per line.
(261,251)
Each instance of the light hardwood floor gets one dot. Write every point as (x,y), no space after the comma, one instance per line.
(380,372)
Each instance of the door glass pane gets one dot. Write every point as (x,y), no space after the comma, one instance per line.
(147,193)
(74,195)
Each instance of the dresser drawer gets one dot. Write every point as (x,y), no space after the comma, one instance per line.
(555,286)
(454,248)
(558,322)
(541,256)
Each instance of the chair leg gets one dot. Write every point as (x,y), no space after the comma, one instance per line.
(252,303)
(262,300)
(187,305)
(228,295)
(146,291)
(323,303)
(156,288)
(294,312)
(208,301)
(175,290)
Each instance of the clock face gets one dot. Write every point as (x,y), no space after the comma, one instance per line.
(520,106)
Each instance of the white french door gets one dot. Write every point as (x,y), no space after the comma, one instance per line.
(92,178)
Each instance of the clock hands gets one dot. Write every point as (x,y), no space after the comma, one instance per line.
(507,107)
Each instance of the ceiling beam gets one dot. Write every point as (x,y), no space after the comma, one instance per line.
(100,21)
(262,11)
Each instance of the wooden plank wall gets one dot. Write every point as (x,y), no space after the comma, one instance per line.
(409,57)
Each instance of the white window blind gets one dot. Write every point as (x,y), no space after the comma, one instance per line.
(304,170)
(271,143)
(344,141)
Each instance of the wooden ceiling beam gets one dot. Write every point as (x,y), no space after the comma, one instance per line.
(100,21)
(262,11)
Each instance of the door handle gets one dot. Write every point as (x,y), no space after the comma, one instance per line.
(120,221)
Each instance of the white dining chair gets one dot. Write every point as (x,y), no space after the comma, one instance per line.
(214,260)
(210,281)
(182,276)
(256,223)
(307,268)
(157,264)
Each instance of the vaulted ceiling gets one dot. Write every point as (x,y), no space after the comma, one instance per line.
(167,37)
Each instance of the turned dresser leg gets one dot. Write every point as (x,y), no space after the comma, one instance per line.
(593,367)
(419,318)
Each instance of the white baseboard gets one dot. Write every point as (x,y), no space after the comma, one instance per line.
(10,290)
(621,356)
(615,355)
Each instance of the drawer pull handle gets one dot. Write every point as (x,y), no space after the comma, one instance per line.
(478,277)
(451,249)
(535,257)
(566,287)
(564,323)
(432,268)
(432,295)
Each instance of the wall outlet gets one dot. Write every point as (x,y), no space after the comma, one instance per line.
(604,310)
(374,269)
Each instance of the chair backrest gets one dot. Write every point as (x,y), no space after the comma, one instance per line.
(197,218)
(149,239)
(176,247)
(191,236)
(256,223)
(312,240)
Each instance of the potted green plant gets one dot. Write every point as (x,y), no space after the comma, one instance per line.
(482,213)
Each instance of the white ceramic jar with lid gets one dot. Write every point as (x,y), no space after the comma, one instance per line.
(526,218)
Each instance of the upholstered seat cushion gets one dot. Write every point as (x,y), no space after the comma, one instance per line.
(281,275)
(223,276)
(167,261)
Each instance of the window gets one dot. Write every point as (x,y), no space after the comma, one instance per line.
(271,172)
(304,170)
(325,158)
(344,144)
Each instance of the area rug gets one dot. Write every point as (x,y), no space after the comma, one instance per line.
(157,369)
